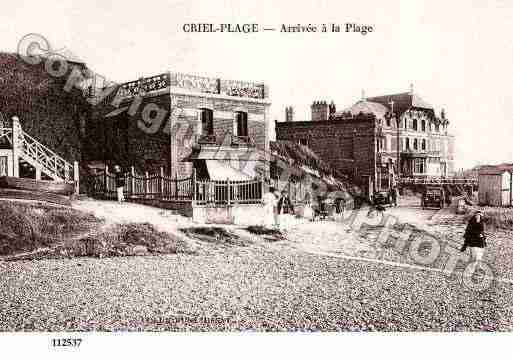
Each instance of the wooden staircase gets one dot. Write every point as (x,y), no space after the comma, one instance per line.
(40,156)
(26,148)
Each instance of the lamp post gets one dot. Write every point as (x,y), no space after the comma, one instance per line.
(398,160)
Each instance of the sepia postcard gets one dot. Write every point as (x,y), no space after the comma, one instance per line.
(273,177)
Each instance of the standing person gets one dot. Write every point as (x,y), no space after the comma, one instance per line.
(308,211)
(120,183)
(393,195)
(285,210)
(269,201)
(340,206)
(475,237)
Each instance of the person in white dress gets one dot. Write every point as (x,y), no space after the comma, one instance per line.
(270,201)
(285,211)
(308,211)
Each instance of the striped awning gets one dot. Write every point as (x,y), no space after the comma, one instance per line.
(219,170)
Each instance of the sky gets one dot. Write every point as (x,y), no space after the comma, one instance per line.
(458,55)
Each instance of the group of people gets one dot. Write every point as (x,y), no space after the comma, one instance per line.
(278,208)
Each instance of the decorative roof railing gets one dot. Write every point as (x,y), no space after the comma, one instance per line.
(194,83)
(144,85)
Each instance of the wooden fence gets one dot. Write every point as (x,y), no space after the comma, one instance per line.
(143,187)
(164,188)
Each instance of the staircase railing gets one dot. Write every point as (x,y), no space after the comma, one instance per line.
(50,161)
(5,132)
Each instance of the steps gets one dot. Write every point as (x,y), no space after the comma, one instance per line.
(40,156)
(27,149)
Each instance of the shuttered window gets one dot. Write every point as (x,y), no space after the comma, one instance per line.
(242,124)
(207,122)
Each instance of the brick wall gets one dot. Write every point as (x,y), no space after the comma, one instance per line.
(224,115)
(347,145)
(125,140)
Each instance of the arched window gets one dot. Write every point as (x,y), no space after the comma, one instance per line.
(423,144)
(415,144)
(207,122)
(423,125)
(407,143)
(415,124)
(241,119)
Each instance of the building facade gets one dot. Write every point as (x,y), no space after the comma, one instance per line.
(377,139)
(183,122)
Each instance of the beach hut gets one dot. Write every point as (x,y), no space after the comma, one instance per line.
(495,186)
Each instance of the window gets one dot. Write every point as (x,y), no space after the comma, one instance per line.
(407,143)
(423,126)
(3,166)
(303,141)
(415,144)
(437,127)
(351,147)
(415,124)
(207,122)
(242,123)
(423,144)
(419,165)
(388,122)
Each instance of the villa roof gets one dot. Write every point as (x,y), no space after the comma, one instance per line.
(366,107)
(402,102)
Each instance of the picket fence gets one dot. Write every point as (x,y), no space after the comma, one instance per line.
(159,187)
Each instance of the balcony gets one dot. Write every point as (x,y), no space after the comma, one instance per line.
(206,140)
(240,141)
(409,153)
(230,140)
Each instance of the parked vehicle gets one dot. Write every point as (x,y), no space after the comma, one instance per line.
(382,198)
(433,197)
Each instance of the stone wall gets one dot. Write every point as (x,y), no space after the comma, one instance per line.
(239,214)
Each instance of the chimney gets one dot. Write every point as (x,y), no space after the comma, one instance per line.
(320,111)
(332,108)
(289,114)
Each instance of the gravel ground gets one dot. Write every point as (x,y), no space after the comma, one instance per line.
(250,288)
(296,284)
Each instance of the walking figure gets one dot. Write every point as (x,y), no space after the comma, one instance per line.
(120,183)
(285,211)
(475,238)
(270,202)
(393,195)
